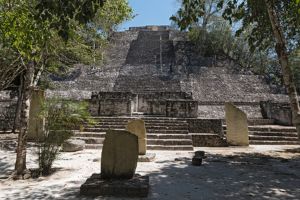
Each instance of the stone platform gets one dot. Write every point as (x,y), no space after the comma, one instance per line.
(138,186)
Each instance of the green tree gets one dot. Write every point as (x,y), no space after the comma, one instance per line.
(112,15)
(38,32)
(190,11)
(274,25)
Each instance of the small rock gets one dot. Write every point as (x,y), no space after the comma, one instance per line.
(149,157)
(73,145)
(97,160)
(197,161)
(26,176)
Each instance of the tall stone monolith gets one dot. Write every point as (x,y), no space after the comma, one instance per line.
(237,126)
(119,155)
(137,127)
(36,124)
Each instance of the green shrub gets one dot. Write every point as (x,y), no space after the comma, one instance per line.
(61,117)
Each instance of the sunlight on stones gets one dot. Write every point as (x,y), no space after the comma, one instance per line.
(119,155)
(150,120)
(237,126)
(118,165)
(137,127)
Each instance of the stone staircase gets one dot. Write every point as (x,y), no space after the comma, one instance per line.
(265,132)
(162,133)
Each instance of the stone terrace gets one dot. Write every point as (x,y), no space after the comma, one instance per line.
(132,63)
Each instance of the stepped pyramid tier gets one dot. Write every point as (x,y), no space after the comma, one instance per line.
(156,74)
(153,59)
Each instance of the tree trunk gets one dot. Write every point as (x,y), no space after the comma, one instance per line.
(281,51)
(20,165)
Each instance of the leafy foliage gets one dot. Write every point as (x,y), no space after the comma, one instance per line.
(195,12)
(55,34)
(251,15)
(62,13)
(218,40)
(254,13)
(112,14)
(20,31)
(253,44)
(61,118)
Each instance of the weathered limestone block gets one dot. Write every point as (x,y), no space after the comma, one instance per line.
(119,155)
(36,124)
(73,145)
(237,126)
(280,112)
(94,104)
(137,127)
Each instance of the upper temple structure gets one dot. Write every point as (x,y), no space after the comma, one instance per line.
(154,66)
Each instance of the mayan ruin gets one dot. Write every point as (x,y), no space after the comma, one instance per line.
(181,111)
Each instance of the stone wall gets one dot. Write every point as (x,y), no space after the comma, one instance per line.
(113,107)
(156,107)
(280,112)
(8,103)
(181,108)
(126,103)
(212,126)
(217,109)
(208,140)
(155,102)
(111,103)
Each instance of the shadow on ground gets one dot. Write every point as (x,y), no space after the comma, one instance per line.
(242,176)
(239,176)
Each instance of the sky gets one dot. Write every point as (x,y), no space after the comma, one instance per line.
(151,12)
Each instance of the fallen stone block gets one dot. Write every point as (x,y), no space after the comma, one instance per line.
(197,161)
(73,145)
(149,157)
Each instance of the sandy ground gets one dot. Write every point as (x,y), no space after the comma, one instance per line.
(256,172)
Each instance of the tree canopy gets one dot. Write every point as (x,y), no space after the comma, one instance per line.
(55,33)
(41,35)
(272,25)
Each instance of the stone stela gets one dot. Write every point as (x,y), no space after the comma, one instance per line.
(237,126)
(137,127)
(118,165)
(36,124)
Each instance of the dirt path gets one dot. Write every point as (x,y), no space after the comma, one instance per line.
(257,172)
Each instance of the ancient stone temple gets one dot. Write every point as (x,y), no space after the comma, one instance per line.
(156,73)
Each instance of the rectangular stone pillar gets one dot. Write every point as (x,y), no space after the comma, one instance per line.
(137,127)
(36,124)
(237,126)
